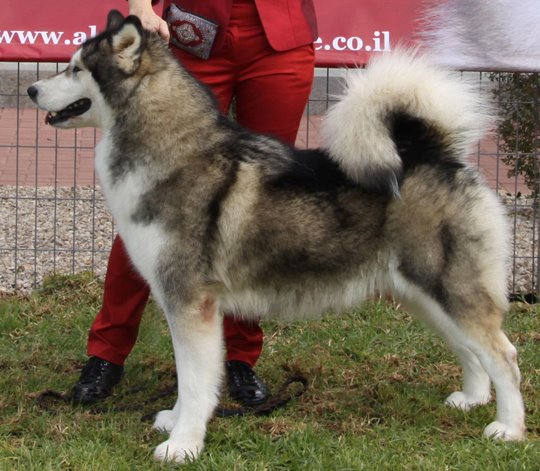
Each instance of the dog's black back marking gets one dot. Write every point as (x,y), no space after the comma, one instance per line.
(311,171)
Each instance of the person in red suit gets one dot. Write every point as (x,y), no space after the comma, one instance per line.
(263,57)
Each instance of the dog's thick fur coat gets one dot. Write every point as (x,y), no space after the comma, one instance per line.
(218,219)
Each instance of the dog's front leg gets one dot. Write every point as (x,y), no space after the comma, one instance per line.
(197,336)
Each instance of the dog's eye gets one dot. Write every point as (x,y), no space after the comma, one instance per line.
(76,69)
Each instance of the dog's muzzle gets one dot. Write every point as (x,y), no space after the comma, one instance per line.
(76,108)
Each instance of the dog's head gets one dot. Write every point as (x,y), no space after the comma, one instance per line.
(100,75)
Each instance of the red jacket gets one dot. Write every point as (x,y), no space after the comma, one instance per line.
(287,23)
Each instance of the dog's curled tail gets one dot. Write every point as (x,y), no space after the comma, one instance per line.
(402,111)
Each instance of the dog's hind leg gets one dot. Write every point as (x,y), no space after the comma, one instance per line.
(197,338)
(474,334)
(486,354)
(476,383)
(499,358)
(490,349)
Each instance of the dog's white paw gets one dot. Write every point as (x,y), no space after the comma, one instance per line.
(178,452)
(500,431)
(462,401)
(165,421)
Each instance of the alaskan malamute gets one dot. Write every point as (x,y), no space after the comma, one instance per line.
(218,219)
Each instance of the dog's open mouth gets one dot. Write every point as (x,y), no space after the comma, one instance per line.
(75,109)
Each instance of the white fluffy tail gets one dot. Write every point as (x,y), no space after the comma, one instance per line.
(359,130)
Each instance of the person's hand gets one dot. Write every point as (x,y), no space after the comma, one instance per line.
(149,19)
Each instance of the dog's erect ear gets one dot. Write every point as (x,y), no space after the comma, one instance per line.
(114,19)
(126,44)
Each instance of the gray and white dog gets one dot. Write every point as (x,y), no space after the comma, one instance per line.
(218,219)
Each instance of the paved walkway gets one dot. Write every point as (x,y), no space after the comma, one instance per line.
(45,156)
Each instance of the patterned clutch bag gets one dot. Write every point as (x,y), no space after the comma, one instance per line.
(191,32)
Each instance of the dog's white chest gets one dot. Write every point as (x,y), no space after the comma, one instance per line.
(143,241)
(122,194)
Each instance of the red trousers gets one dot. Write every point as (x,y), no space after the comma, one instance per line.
(271,90)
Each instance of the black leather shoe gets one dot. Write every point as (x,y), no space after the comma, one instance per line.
(98,377)
(244,385)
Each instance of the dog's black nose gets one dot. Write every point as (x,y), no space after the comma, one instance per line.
(32,92)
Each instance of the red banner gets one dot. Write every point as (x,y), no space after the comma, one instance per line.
(463,34)
(350,30)
(50,31)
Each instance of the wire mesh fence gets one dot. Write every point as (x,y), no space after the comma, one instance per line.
(55,219)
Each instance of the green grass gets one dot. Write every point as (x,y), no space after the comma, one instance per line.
(377,383)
